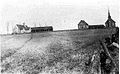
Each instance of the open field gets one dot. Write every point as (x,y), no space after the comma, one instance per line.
(50,52)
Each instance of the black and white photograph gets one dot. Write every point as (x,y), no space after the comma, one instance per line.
(59,36)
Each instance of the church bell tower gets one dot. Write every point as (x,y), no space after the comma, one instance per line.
(110,23)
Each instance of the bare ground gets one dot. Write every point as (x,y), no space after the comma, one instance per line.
(52,52)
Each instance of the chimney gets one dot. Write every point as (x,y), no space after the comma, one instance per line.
(24,23)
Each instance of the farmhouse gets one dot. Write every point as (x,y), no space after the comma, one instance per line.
(82,25)
(41,29)
(110,23)
(21,29)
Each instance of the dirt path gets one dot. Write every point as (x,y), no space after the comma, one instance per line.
(13,52)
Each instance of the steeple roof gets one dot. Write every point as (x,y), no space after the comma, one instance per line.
(109,18)
(21,27)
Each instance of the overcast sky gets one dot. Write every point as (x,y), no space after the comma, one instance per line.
(61,14)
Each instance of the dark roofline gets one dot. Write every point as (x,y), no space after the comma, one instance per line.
(110,20)
(96,25)
(22,27)
(83,22)
(18,24)
(42,27)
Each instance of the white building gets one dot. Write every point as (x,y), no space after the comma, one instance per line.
(21,29)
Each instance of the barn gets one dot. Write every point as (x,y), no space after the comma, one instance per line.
(41,29)
(96,27)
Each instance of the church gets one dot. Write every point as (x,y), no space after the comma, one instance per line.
(110,23)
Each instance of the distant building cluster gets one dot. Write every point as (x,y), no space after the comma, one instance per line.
(25,29)
(110,23)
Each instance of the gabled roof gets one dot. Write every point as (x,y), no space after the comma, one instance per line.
(96,25)
(82,21)
(109,19)
(21,27)
(46,27)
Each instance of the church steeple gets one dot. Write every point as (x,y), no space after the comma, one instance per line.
(110,22)
(109,17)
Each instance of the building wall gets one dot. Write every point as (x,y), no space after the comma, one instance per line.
(28,31)
(16,30)
(23,31)
(41,29)
(82,25)
(110,24)
(96,27)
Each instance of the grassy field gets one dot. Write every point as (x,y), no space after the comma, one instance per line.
(60,52)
